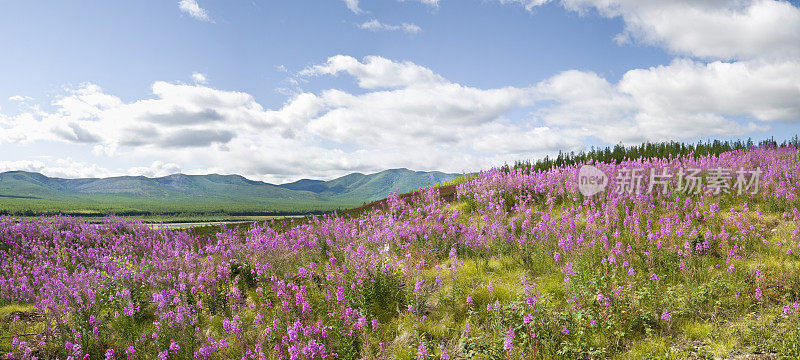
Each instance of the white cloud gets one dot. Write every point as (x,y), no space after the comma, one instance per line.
(20,98)
(105,150)
(353,6)
(434,3)
(199,78)
(528,4)
(405,115)
(766,91)
(440,113)
(194,10)
(684,99)
(69,168)
(377,72)
(375,25)
(708,29)
(22,165)
(62,168)
(157,169)
(72,169)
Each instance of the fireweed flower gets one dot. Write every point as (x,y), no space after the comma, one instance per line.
(666,316)
(508,341)
(575,301)
(527,319)
(422,352)
(418,286)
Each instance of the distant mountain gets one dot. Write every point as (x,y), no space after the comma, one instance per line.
(28,192)
(371,187)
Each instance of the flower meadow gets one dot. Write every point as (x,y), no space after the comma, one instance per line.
(520,265)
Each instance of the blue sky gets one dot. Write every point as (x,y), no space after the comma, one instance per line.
(280,90)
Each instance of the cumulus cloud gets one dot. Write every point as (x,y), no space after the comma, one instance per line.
(20,98)
(73,132)
(684,99)
(199,78)
(375,25)
(89,115)
(407,115)
(72,169)
(766,91)
(192,138)
(707,29)
(61,168)
(377,72)
(22,165)
(193,9)
(157,169)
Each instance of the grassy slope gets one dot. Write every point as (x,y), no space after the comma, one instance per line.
(714,311)
(710,320)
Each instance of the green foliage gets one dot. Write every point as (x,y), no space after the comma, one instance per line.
(619,153)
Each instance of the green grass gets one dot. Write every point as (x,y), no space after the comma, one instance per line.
(100,205)
(457,180)
(9,308)
(710,317)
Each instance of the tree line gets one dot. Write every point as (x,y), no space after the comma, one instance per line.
(620,152)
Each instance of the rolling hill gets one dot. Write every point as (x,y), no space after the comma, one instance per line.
(31,193)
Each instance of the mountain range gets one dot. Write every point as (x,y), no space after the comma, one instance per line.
(31,193)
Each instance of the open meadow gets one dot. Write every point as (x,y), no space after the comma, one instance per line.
(519,265)
(400,180)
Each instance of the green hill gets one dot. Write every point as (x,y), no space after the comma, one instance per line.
(28,193)
(371,187)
